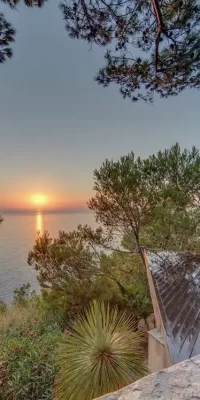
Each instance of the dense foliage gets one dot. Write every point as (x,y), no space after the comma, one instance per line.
(130,272)
(62,260)
(153,45)
(101,354)
(75,297)
(29,338)
(32,344)
(151,203)
(76,275)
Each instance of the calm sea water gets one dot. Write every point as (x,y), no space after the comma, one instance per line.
(17,236)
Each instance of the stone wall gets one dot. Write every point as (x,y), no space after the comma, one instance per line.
(179,382)
(146,324)
(157,354)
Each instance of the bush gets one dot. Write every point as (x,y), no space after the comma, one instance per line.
(76,297)
(31,365)
(75,275)
(130,272)
(23,294)
(3,307)
(138,297)
(29,338)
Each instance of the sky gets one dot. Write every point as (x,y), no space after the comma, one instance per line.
(58,125)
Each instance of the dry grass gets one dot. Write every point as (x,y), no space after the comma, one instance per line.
(17,318)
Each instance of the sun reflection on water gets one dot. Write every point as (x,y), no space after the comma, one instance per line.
(39,223)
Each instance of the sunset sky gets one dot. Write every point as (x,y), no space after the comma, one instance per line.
(57,124)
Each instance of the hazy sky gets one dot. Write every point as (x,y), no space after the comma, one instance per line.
(57,124)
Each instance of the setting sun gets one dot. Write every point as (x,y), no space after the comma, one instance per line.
(39,199)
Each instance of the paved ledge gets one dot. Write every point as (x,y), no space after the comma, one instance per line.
(179,382)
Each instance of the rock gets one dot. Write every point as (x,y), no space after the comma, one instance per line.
(150,321)
(179,382)
(151,318)
(142,326)
(151,326)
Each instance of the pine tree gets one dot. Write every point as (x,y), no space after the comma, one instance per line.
(153,45)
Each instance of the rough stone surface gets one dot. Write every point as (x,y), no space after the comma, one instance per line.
(150,326)
(150,321)
(179,382)
(142,326)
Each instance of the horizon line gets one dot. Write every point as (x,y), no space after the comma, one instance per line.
(69,210)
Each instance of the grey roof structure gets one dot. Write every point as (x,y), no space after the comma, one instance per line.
(176,279)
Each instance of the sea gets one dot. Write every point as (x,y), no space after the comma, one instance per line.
(17,236)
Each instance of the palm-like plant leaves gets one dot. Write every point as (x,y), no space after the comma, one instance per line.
(102,353)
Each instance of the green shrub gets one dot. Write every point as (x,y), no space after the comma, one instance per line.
(29,338)
(75,274)
(31,364)
(130,272)
(76,297)
(3,307)
(138,297)
(23,294)
(35,315)
(128,269)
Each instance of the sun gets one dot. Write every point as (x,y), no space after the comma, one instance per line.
(39,199)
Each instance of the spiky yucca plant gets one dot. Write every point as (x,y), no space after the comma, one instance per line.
(101,354)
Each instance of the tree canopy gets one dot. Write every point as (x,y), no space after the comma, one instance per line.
(76,273)
(71,259)
(152,203)
(153,45)
(62,260)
